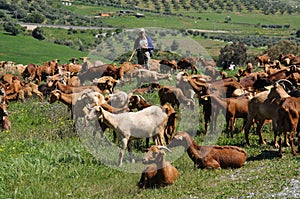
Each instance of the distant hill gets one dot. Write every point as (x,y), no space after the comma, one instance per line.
(54,12)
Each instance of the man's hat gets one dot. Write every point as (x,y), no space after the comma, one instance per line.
(142,30)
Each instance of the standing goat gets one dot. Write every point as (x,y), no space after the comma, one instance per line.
(205,157)
(160,173)
(148,122)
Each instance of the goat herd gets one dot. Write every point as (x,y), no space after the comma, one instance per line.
(88,89)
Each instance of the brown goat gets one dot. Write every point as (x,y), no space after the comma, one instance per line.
(205,157)
(161,173)
(234,108)
(174,96)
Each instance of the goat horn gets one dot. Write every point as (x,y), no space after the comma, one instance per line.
(138,98)
(164,147)
(284,80)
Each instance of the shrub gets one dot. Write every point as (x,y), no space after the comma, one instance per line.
(35,18)
(12,28)
(38,33)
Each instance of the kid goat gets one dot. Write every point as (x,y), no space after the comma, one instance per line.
(159,173)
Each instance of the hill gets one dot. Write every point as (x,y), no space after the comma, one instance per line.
(25,49)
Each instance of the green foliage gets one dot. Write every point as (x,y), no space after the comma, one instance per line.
(12,28)
(38,33)
(283,47)
(235,53)
(35,17)
(298,33)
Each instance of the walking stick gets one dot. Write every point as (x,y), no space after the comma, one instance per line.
(131,55)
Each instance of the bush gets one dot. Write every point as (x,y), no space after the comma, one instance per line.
(12,28)
(35,18)
(38,33)
(298,33)
(235,53)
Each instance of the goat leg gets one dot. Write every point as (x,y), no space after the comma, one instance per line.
(280,145)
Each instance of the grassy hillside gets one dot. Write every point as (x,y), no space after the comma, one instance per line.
(26,49)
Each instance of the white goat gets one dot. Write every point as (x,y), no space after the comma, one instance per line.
(147,76)
(148,122)
(118,99)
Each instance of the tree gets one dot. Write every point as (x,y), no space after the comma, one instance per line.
(38,33)
(235,53)
(174,45)
(282,47)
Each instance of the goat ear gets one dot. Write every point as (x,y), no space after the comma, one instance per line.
(269,87)
(179,137)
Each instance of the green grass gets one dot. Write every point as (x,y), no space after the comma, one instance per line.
(42,157)
(25,49)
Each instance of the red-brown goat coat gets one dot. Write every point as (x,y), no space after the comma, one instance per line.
(205,157)
(159,174)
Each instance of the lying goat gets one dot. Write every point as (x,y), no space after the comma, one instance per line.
(160,173)
(205,157)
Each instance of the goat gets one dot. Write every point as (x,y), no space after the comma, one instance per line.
(205,157)
(106,83)
(161,173)
(119,99)
(175,97)
(260,108)
(4,121)
(184,63)
(132,125)
(288,115)
(147,88)
(71,89)
(137,102)
(146,76)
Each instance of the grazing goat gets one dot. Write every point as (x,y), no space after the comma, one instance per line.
(205,157)
(174,96)
(132,125)
(160,173)
(146,76)
(146,88)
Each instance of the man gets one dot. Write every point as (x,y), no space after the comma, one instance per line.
(144,46)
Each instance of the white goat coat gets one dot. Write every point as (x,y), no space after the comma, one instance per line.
(145,123)
(148,122)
